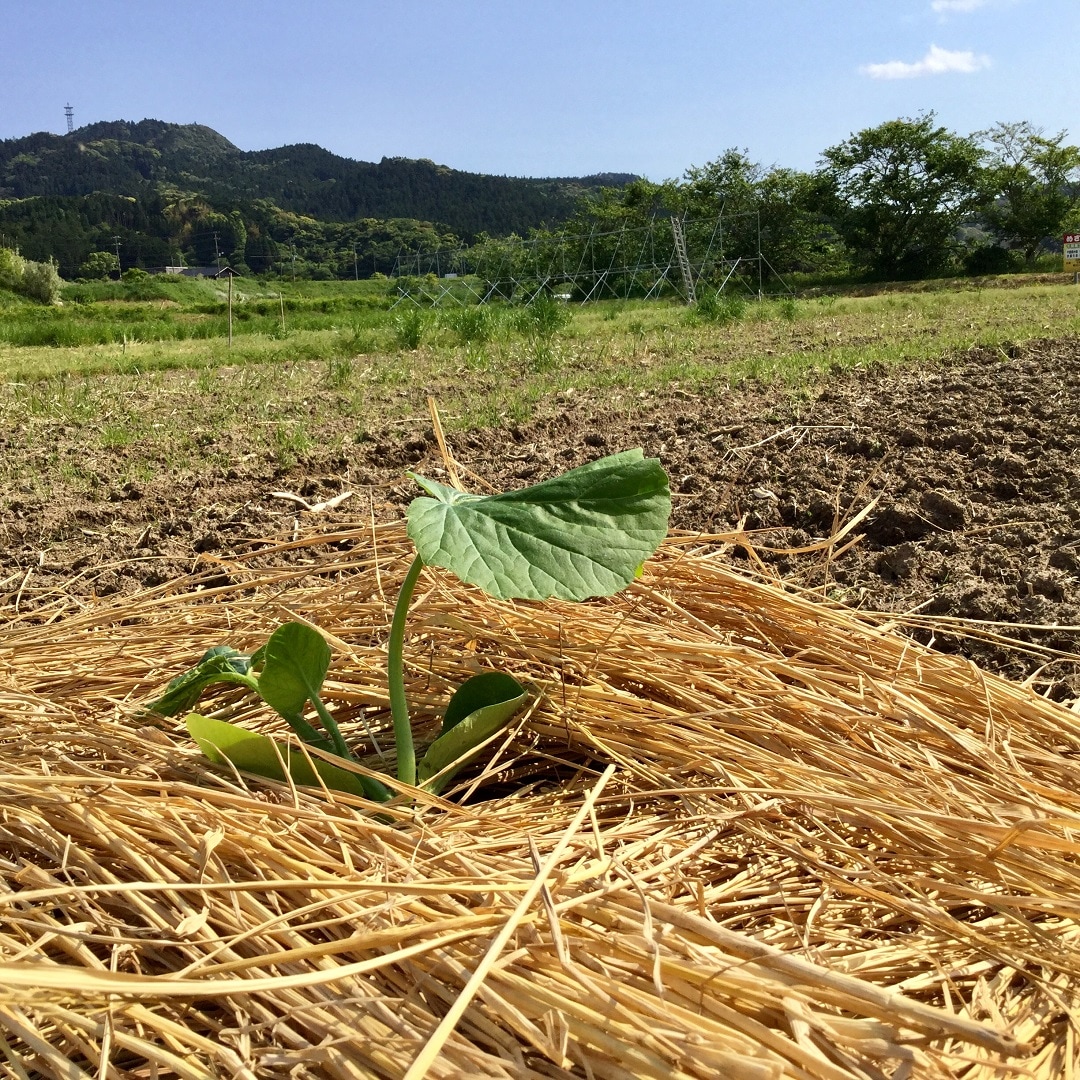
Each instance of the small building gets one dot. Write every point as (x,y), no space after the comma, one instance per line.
(194,271)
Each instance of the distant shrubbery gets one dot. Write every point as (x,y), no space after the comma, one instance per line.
(36,280)
(99,266)
(10,270)
(992,259)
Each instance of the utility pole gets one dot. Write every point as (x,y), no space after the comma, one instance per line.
(217,252)
(760,260)
(355,267)
(116,241)
(294,262)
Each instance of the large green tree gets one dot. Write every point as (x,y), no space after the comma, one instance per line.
(721,200)
(728,184)
(1029,185)
(99,265)
(899,192)
(796,233)
(776,211)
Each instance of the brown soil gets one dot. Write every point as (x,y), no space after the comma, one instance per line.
(972,460)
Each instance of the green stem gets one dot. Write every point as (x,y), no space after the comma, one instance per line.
(235,677)
(306,731)
(302,728)
(297,722)
(330,724)
(395,674)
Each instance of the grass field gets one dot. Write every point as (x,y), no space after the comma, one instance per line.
(146,369)
(114,327)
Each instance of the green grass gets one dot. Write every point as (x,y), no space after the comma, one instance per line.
(180,402)
(113,326)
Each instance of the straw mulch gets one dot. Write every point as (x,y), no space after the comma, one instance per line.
(737,834)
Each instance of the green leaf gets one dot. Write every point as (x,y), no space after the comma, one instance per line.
(222,742)
(238,661)
(219,664)
(295,662)
(581,534)
(480,707)
(479,692)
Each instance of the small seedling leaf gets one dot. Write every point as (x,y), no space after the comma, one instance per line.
(480,707)
(222,742)
(219,664)
(581,534)
(295,662)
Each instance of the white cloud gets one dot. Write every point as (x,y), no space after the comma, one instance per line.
(937,61)
(961,6)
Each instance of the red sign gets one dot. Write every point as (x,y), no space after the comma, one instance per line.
(1072,238)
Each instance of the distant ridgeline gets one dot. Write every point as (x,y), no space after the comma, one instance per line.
(172,190)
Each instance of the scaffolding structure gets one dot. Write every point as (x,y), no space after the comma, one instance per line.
(667,256)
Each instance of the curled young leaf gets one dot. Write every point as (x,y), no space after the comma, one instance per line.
(480,707)
(219,664)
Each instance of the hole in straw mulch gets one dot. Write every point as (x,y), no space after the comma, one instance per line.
(739,835)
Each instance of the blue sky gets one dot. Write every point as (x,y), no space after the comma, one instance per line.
(558,88)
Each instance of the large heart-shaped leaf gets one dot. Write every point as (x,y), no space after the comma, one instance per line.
(582,534)
(480,707)
(258,754)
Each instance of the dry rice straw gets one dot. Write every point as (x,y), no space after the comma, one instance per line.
(739,834)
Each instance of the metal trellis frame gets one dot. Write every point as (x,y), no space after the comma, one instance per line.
(629,261)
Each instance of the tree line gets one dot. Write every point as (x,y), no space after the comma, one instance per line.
(904,200)
(92,236)
(907,199)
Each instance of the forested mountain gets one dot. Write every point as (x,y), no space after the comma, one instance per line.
(139,159)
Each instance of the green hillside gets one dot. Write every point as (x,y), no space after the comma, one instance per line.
(156,185)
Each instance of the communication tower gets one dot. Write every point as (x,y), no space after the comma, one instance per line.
(69,112)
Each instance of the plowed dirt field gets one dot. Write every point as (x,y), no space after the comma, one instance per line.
(970,464)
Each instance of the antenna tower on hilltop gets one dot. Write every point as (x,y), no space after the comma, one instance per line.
(69,112)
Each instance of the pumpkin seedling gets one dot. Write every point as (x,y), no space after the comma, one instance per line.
(583,534)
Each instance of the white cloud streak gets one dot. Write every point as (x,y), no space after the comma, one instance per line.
(961,7)
(937,61)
